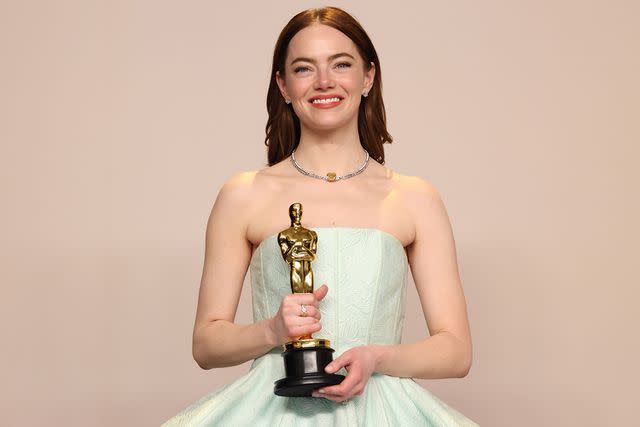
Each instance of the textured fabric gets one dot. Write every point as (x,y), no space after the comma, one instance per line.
(366,272)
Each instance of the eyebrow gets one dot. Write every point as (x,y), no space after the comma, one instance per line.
(331,58)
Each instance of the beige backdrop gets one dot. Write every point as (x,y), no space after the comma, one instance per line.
(120,120)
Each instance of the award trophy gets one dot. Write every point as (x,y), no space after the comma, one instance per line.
(305,357)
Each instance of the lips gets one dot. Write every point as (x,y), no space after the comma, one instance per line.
(326,101)
(327,96)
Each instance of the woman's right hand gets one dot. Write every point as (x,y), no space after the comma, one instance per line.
(288,324)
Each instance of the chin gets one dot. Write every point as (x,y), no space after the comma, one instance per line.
(327,124)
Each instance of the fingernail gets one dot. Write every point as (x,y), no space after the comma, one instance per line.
(321,390)
(328,368)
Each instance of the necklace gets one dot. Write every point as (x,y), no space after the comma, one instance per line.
(330,176)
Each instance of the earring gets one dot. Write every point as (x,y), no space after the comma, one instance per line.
(288,101)
(365,93)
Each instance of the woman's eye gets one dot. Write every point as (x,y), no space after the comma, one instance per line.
(339,65)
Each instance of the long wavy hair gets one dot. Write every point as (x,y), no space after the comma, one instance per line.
(283,126)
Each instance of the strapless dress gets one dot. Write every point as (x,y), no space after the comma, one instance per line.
(366,271)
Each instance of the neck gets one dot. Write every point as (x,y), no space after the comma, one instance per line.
(337,150)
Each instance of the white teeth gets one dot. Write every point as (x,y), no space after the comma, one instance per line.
(325,101)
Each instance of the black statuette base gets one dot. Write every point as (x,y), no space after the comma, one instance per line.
(304,369)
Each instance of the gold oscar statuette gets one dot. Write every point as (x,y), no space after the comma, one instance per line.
(305,357)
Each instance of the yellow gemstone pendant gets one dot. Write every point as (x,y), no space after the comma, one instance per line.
(331,176)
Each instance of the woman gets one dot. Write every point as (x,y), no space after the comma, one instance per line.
(325,133)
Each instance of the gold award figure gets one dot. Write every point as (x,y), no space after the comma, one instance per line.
(304,358)
(298,246)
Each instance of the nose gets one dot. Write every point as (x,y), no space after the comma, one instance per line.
(324,79)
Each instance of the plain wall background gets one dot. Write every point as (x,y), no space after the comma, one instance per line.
(120,120)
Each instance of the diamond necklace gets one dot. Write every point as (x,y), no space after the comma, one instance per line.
(330,176)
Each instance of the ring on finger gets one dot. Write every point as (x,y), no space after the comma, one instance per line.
(303,310)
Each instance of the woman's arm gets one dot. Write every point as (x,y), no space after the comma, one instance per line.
(448,351)
(217,341)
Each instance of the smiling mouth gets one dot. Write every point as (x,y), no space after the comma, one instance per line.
(326,102)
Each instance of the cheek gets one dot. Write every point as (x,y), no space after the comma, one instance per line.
(350,82)
(299,88)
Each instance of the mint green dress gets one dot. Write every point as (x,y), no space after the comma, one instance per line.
(366,272)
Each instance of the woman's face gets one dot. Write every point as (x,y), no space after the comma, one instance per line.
(323,64)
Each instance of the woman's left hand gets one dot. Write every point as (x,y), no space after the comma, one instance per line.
(360,362)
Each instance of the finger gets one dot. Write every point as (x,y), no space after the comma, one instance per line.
(337,397)
(312,311)
(343,360)
(321,292)
(345,388)
(294,321)
(298,331)
(296,311)
(301,298)
(334,397)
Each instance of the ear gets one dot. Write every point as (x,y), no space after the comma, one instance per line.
(368,77)
(281,85)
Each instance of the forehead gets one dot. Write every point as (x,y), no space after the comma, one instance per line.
(319,41)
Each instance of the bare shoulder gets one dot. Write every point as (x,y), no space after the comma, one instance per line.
(422,201)
(426,209)
(417,191)
(237,189)
(234,200)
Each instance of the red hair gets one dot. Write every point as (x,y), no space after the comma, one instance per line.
(283,126)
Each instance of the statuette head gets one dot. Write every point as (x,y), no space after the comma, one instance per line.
(295,213)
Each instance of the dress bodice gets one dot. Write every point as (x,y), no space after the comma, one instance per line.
(366,272)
